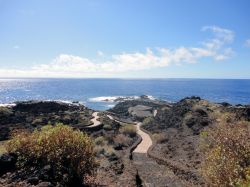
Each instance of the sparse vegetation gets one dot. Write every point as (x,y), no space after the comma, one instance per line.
(5,111)
(148,121)
(2,147)
(122,140)
(37,121)
(103,147)
(65,150)
(226,151)
(107,127)
(105,150)
(129,130)
(160,137)
(100,141)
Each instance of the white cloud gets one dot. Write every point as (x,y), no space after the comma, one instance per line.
(247,43)
(66,65)
(221,34)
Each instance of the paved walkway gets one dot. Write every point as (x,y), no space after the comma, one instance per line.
(155,112)
(145,143)
(146,140)
(95,120)
(110,117)
(152,173)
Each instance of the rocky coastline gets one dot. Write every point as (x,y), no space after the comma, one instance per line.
(175,129)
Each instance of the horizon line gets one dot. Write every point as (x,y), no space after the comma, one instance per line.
(133,78)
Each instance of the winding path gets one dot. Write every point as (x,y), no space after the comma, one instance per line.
(110,117)
(95,120)
(154,113)
(145,143)
(149,171)
(146,140)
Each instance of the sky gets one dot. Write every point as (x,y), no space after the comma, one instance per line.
(125,39)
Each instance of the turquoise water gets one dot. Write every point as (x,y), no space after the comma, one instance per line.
(89,91)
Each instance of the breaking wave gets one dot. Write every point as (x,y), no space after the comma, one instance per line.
(113,99)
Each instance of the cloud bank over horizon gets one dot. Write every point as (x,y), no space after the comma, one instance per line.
(216,48)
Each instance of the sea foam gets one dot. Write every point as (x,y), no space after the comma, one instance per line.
(112,99)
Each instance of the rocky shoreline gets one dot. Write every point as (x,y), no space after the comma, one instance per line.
(174,128)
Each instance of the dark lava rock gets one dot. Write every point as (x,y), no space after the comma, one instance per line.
(201,111)
(33,180)
(5,115)
(45,172)
(122,108)
(7,163)
(44,184)
(118,146)
(225,104)
(35,114)
(197,123)
(191,98)
(175,116)
(43,106)
(243,112)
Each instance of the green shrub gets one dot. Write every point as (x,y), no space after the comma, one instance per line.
(67,151)
(129,130)
(226,151)
(147,121)
(107,127)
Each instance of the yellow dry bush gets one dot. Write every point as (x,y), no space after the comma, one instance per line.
(226,151)
(64,149)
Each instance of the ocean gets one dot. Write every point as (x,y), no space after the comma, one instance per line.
(99,94)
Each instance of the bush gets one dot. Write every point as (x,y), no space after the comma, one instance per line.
(160,137)
(147,122)
(67,151)
(129,130)
(2,147)
(105,150)
(100,141)
(122,141)
(226,151)
(107,127)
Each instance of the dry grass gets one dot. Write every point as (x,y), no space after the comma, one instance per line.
(2,147)
(226,151)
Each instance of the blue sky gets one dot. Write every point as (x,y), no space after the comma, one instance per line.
(127,39)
